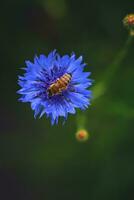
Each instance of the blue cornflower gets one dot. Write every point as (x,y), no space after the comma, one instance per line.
(55,85)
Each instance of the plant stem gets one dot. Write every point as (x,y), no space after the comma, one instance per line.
(81,120)
(102,86)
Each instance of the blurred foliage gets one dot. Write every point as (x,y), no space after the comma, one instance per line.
(38,161)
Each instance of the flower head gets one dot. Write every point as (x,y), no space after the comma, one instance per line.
(55,85)
(128,22)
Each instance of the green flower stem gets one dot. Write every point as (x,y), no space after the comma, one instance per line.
(81,121)
(102,86)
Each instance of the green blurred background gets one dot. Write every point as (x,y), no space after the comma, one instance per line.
(41,162)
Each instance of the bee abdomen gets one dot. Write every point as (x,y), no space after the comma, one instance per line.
(59,85)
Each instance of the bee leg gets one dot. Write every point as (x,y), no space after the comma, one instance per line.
(61,94)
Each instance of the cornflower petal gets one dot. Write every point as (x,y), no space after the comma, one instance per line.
(55,85)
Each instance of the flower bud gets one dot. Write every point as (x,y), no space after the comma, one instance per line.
(82,135)
(128,22)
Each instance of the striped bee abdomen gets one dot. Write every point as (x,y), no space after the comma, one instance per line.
(59,85)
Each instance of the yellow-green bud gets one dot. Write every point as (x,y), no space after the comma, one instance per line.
(82,135)
(128,22)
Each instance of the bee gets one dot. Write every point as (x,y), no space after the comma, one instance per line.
(59,85)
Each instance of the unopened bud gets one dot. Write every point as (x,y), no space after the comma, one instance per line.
(82,135)
(128,22)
